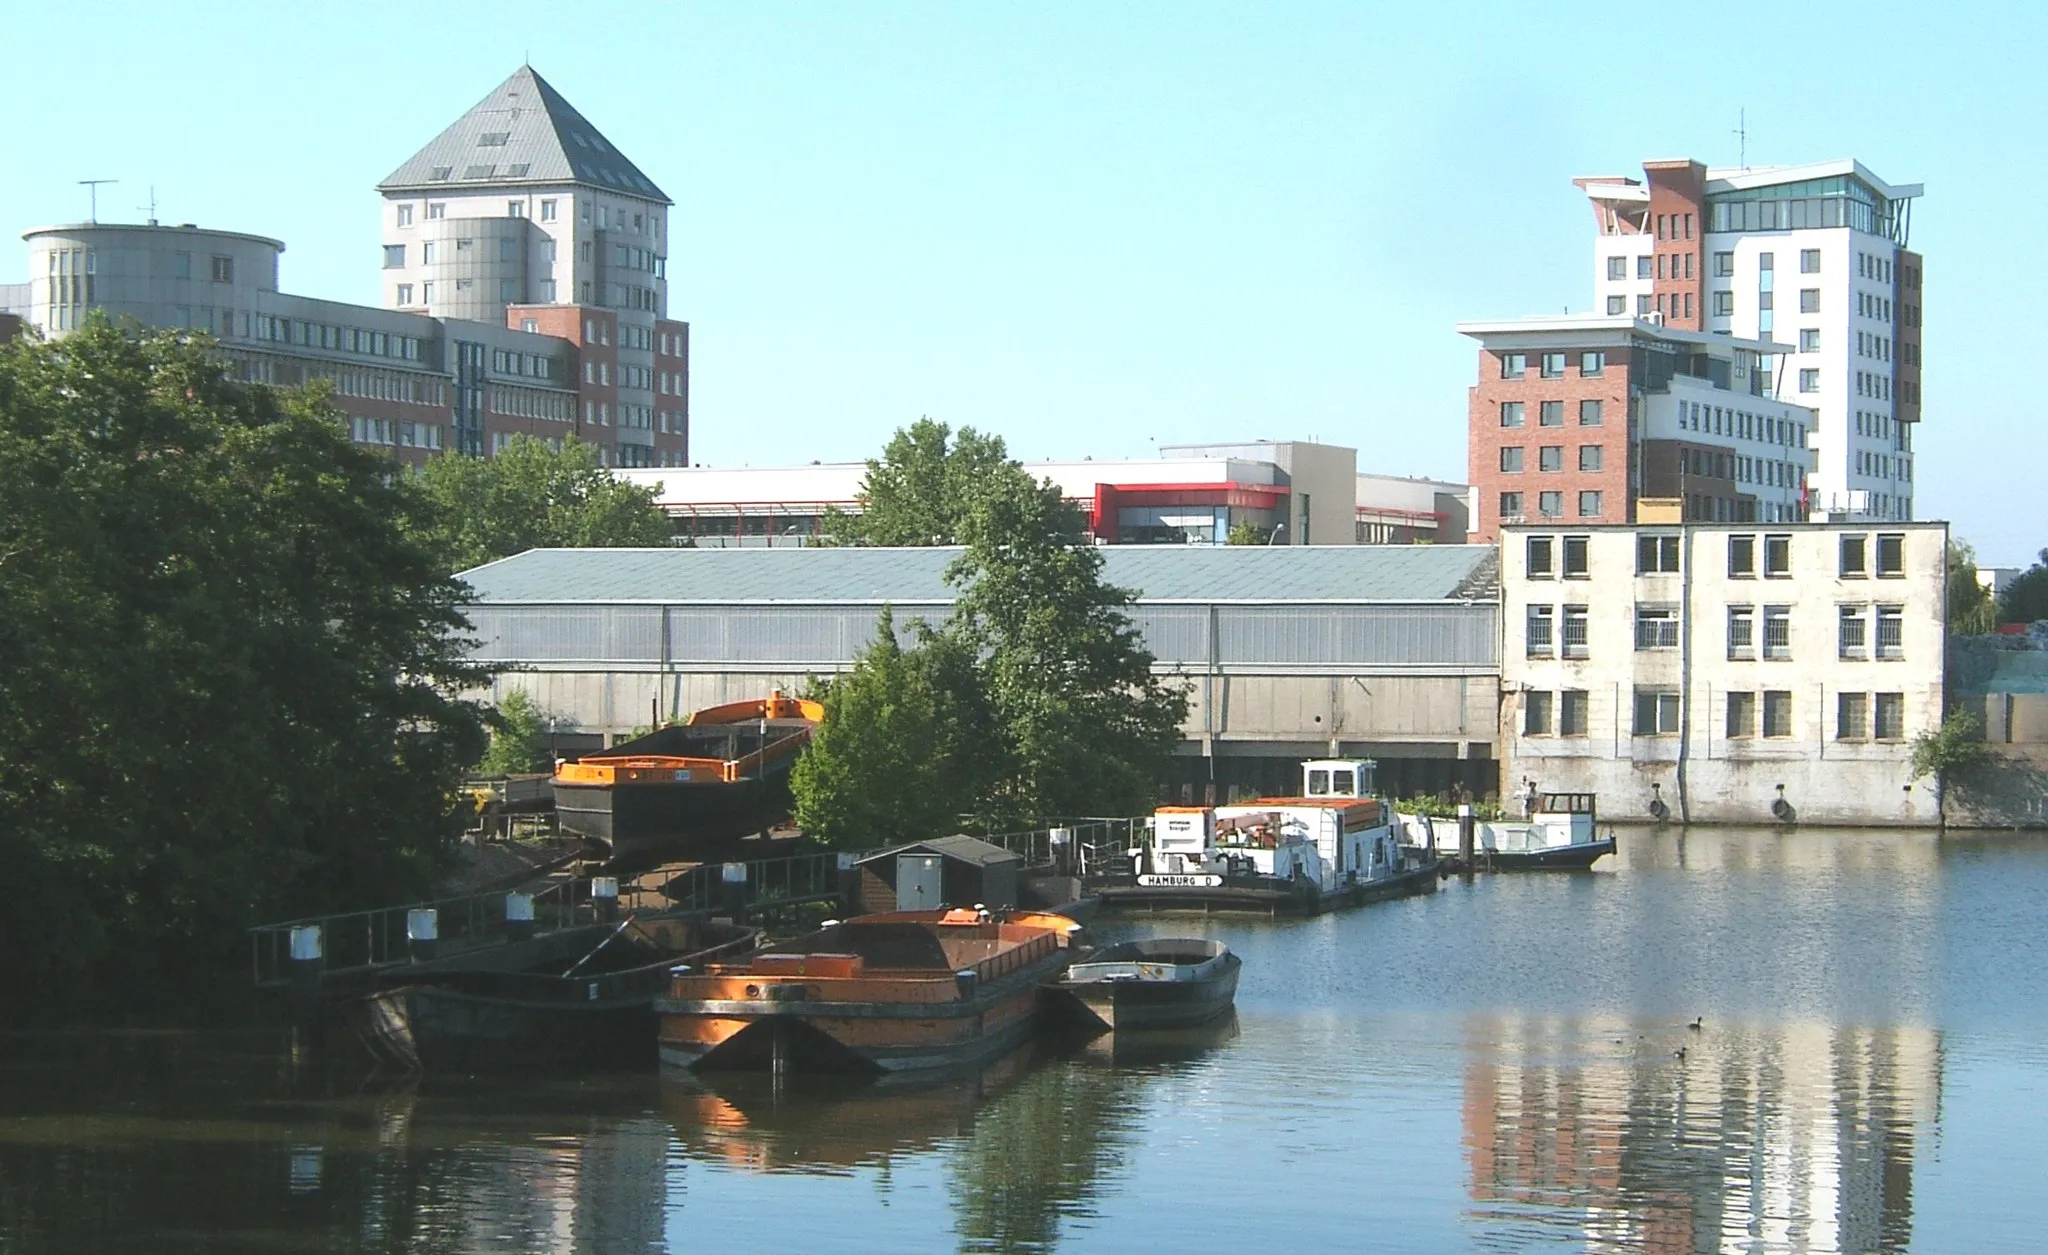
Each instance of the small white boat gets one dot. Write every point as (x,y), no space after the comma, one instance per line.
(1560,834)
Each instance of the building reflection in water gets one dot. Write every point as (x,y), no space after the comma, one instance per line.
(1764,1135)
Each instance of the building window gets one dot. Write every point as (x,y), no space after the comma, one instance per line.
(1809,261)
(547,211)
(1852,716)
(1656,627)
(1644,305)
(1656,712)
(1777,557)
(1741,556)
(1891,631)
(1589,504)
(1535,713)
(404,294)
(394,257)
(1809,380)
(1550,457)
(1890,721)
(1571,713)
(1853,557)
(1539,558)
(1550,414)
(1724,304)
(1589,414)
(508,250)
(405,215)
(1741,716)
(1852,632)
(223,269)
(1741,632)
(1592,364)
(1550,504)
(508,291)
(1575,557)
(1643,267)
(1542,627)
(1617,305)
(1778,632)
(427,253)
(1724,265)
(1575,636)
(1656,555)
(1617,267)
(1511,414)
(1553,366)
(1511,459)
(1809,300)
(1591,457)
(427,293)
(1891,555)
(437,209)
(1514,365)
(1809,340)
(1510,507)
(1777,712)
(515,209)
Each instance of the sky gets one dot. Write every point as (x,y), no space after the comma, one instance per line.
(1096,227)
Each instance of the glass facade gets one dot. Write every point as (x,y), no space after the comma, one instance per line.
(1841,201)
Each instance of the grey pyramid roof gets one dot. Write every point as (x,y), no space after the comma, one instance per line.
(523,132)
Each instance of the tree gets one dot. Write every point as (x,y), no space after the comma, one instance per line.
(1246,532)
(1970,610)
(229,691)
(2026,598)
(920,490)
(519,736)
(530,496)
(1941,751)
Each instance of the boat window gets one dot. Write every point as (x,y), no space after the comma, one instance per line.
(1340,783)
(1318,783)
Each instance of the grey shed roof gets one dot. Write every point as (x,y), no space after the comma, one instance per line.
(523,132)
(966,849)
(1159,573)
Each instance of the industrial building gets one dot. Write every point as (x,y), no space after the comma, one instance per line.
(1287,652)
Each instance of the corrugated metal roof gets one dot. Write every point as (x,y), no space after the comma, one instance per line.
(1159,573)
(523,132)
(965,849)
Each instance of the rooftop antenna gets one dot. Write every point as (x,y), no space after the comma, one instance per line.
(150,208)
(92,187)
(1742,138)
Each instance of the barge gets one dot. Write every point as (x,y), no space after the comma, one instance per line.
(1560,835)
(896,992)
(1161,982)
(689,790)
(1333,847)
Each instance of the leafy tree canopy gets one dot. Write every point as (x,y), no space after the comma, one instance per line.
(1970,610)
(531,496)
(926,482)
(2026,598)
(230,665)
(519,736)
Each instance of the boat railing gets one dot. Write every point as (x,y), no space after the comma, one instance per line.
(1085,842)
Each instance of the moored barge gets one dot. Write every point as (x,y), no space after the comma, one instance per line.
(1561,834)
(896,992)
(1160,982)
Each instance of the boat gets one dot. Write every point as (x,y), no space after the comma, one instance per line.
(1560,835)
(1161,982)
(582,997)
(893,992)
(687,791)
(1332,847)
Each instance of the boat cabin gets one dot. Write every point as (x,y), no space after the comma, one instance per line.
(1338,777)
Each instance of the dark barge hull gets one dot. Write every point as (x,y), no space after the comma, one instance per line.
(1569,858)
(648,824)
(1261,895)
(1126,1004)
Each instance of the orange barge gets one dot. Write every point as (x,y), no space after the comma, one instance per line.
(899,992)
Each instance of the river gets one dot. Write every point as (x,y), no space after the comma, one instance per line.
(1506,1065)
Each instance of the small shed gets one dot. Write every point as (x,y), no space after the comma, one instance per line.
(945,871)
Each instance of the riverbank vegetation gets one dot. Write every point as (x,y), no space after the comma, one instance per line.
(1034,700)
(530,495)
(233,660)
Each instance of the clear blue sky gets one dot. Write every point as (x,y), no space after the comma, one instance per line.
(1092,226)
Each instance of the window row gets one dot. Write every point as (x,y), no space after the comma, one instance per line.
(1740,424)
(1746,714)
(314,335)
(1556,631)
(1550,505)
(554,407)
(388,432)
(1592,364)
(1550,457)
(528,365)
(1550,413)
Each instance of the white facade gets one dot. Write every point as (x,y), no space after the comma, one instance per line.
(1827,291)
(1725,673)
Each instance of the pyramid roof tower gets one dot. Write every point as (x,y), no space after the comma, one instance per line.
(523,132)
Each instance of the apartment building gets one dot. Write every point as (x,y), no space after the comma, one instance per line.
(1591,419)
(416,377)
(1724,673)
(1715,250)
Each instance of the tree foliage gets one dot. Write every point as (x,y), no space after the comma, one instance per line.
(531,496)
(1246,532)
(1957,743)
(519,736)
(1970,609)
(2026,598)
(1036,700)
(230,669)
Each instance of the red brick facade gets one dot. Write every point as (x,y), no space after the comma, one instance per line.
(1677,218)
(1571,436)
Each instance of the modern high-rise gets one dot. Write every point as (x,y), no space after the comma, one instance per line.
(1814,257)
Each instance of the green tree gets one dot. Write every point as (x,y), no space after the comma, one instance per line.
(1957,743)
(1970,609)
(2026,598)
(920,490)
(519,736)
(1246,532)
(530,496)
(231,669)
